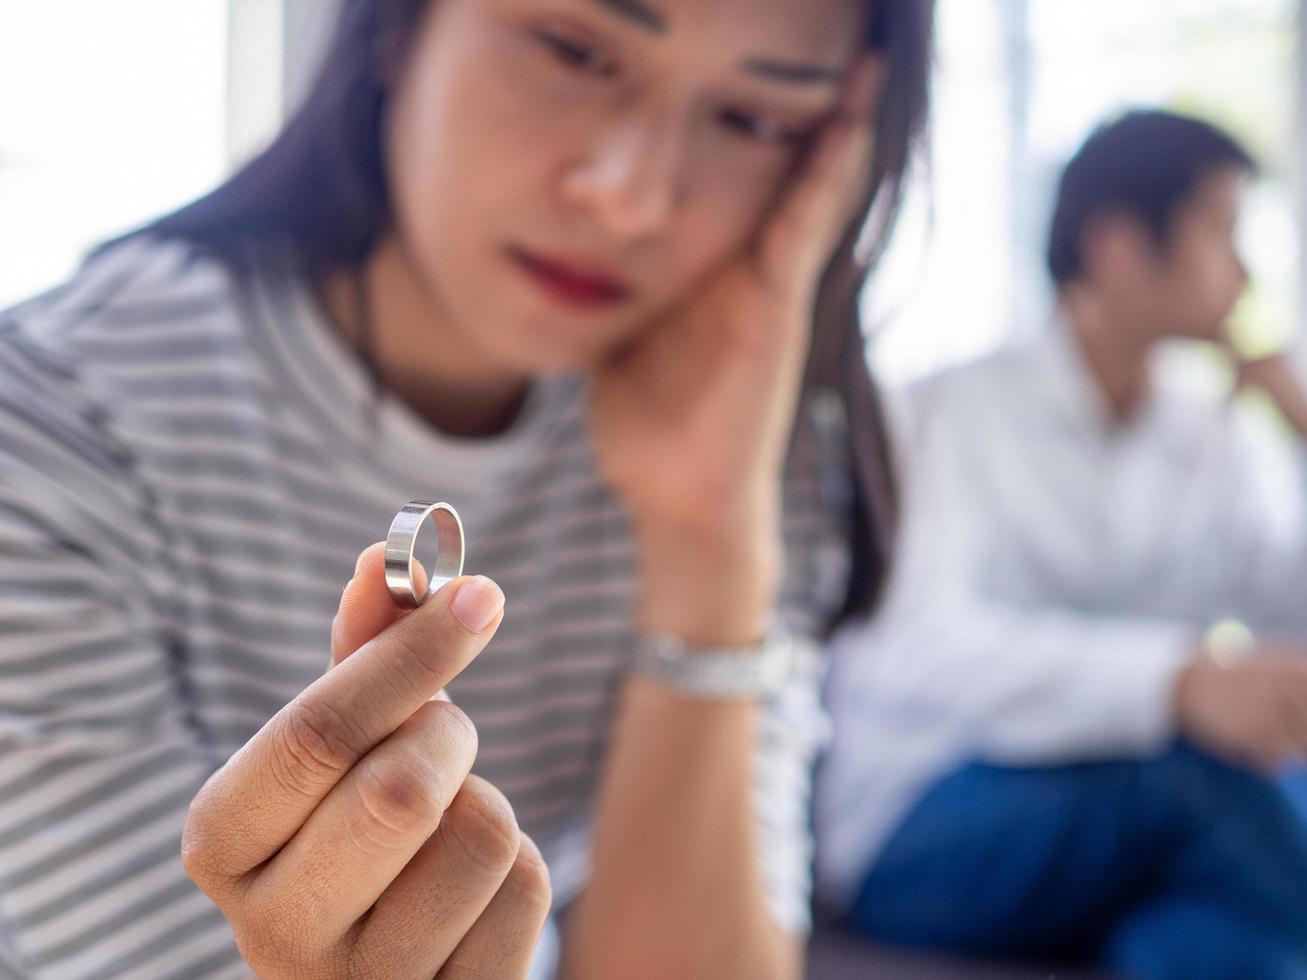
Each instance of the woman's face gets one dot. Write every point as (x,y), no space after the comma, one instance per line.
(562,171)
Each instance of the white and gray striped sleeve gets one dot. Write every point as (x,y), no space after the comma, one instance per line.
(99,757)
(794,726)
(792,729)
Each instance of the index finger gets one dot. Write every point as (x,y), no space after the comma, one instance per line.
(255,803)
(366,607)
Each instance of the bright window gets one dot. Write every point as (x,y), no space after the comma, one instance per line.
(110,113)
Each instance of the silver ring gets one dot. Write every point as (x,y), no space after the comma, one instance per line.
(399,550)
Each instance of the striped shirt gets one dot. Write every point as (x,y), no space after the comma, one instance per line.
(190,463)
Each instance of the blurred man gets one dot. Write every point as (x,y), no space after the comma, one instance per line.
(1038,751)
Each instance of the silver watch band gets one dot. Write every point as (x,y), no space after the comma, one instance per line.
(716,673)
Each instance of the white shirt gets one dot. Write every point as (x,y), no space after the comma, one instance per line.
(1054,574)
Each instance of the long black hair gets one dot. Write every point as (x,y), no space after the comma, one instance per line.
(319,193)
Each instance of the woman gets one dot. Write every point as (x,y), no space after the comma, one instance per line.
(561,263)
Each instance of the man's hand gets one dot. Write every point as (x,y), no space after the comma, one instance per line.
(1275,376)
(1253,712)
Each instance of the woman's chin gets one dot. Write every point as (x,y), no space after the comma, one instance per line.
(538,349)
(547,341)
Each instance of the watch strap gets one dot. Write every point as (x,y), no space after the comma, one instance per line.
(716,673)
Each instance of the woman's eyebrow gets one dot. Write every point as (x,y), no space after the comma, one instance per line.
(638,12)
(791,73)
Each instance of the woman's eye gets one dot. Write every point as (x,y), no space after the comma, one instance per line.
(760,128)
(576,54)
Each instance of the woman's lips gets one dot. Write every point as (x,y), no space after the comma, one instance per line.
(572,282)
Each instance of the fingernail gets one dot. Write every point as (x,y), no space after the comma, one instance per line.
(359,563)
(477,603)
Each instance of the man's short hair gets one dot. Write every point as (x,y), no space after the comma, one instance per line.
(1146,164)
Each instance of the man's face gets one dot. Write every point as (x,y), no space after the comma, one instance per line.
(1192,284)
(638,141)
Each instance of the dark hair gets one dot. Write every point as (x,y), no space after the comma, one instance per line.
(1147,165)
(319,193)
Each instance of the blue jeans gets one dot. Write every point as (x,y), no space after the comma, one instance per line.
(1175,867)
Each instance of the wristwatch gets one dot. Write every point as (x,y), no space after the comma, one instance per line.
(716,673)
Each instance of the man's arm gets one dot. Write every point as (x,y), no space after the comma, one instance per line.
(1028,682)
(1261,532)
(1276,376)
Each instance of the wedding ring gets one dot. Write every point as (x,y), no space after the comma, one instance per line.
(402,539)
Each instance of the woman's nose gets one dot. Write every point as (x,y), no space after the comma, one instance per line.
(630,179)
